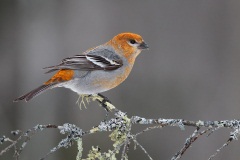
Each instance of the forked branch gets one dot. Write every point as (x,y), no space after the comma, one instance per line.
(120,128)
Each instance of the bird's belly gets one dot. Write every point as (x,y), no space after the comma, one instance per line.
(97,81)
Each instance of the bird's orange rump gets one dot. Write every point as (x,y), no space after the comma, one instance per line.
(61,76)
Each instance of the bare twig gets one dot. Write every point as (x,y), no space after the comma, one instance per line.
(144,150)
(233,136)
(189,141)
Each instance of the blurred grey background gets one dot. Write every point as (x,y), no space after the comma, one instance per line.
(191,70)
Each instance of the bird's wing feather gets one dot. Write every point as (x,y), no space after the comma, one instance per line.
(95,59)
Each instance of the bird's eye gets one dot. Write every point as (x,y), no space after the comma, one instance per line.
(132,41)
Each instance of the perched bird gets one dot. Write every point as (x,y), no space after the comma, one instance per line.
(96,70)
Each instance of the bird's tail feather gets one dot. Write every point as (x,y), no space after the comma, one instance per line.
(35,92)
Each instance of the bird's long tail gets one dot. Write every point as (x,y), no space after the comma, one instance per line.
(35,92)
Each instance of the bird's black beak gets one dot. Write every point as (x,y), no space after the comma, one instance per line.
(143,45)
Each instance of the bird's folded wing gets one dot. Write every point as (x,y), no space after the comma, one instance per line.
(96,59)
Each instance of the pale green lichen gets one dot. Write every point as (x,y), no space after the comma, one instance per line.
(119,136)
(95,153)
(93,130)
(200,123)
(99,98)
(80,149)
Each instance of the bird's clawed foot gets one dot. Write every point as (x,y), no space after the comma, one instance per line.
(102,100)
(80,100)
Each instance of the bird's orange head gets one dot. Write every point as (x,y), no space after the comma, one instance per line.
(128,44)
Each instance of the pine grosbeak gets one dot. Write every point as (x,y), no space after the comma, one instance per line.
(96,70)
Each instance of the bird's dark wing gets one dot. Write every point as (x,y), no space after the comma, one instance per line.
(96,59)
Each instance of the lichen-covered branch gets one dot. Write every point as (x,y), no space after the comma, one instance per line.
(119,129)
